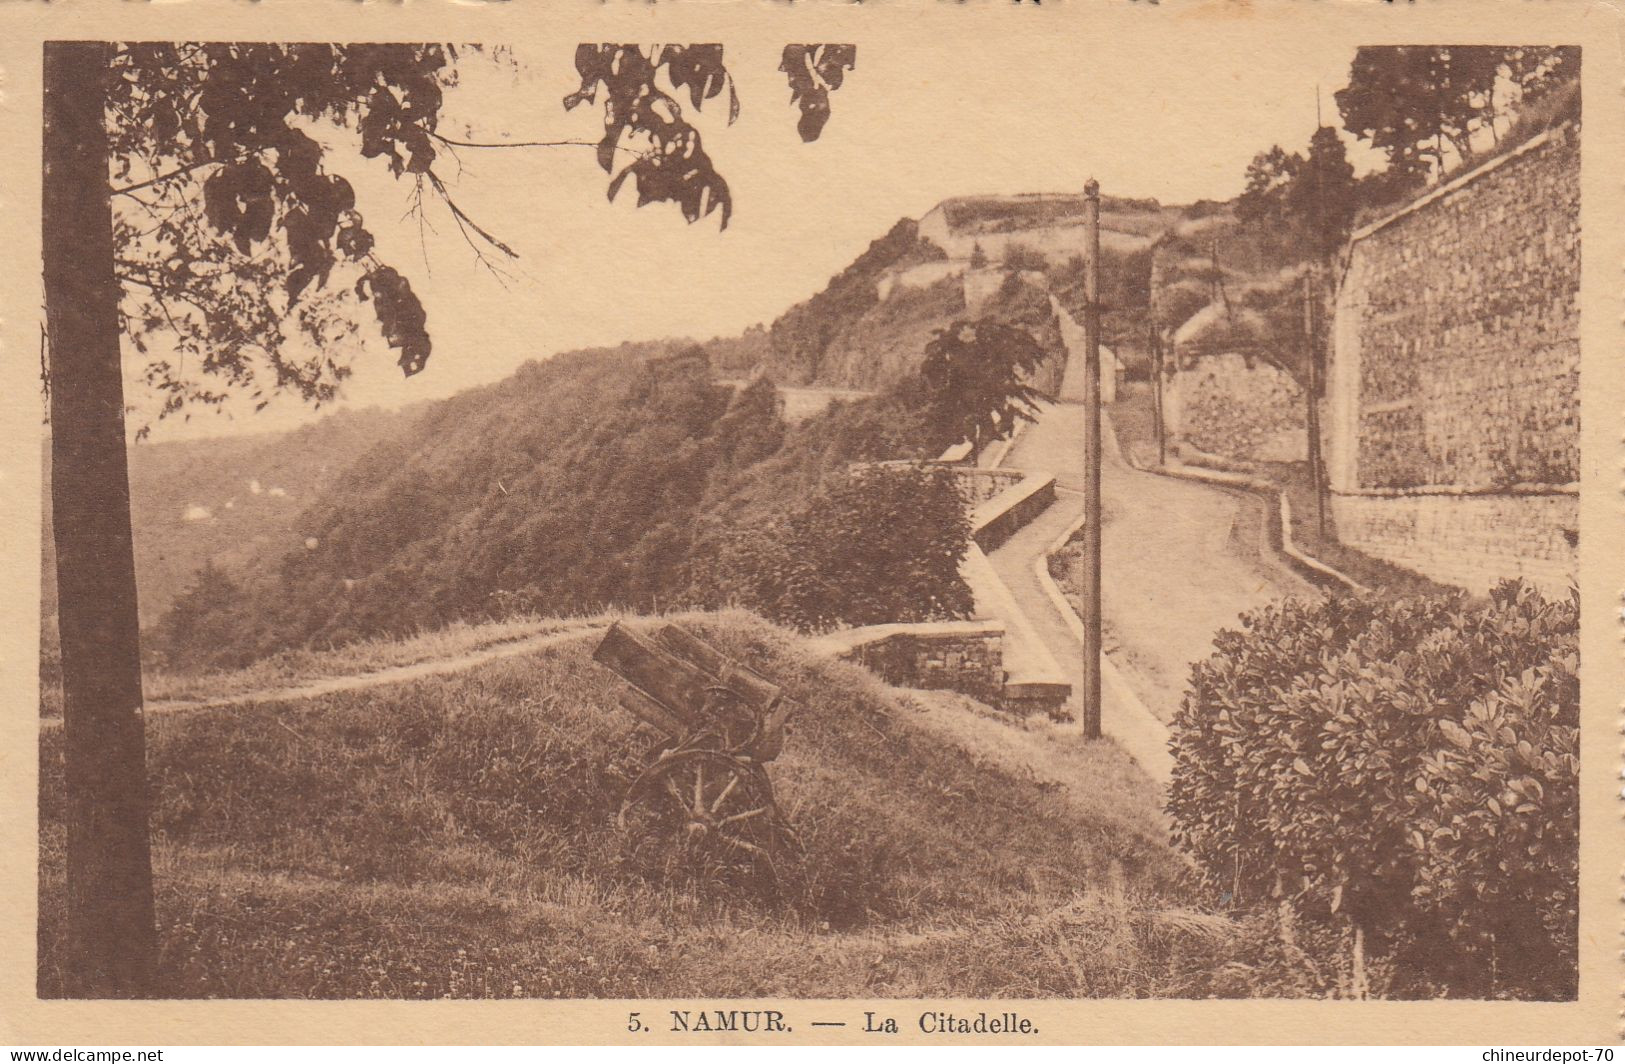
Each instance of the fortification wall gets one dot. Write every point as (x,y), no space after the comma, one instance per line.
(1453,413)
(1471,541)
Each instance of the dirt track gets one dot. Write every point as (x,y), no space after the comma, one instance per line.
(328,685)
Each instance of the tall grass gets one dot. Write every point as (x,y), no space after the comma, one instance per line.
(454,837)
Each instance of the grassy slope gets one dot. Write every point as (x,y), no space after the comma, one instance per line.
(292,668)
(453,836)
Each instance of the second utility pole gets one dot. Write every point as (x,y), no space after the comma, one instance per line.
(1089,697)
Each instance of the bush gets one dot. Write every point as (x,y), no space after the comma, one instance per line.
(882,543)
(1021,257)
(1405,768)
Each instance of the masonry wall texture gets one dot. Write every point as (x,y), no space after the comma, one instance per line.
(971,663)
(1057,242)
(919,275)
(1454,410)
(1471,541)
(1224,406)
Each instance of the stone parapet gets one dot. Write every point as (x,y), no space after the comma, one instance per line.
(963,656)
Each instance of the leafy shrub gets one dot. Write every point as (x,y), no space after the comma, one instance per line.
(882,543)
(1021,257)
(1408,768)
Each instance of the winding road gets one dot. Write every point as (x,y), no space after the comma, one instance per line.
(1181,561)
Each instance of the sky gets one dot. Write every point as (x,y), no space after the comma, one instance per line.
(916,122)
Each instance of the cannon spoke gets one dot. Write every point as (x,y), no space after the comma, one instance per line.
(733,781)
(747,815)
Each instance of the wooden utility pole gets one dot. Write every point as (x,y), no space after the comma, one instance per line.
(1154,342)
(1089,697)
(1312,414)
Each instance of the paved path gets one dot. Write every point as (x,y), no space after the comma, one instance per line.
(1181,560)
(1016,562)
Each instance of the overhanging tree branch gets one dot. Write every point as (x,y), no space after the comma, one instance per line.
(161,178)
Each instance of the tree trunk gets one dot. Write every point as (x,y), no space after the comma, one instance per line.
(111,939)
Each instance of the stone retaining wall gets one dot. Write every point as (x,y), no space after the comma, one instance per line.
(1008,512)
(1227,407)
(967,657)
(1471,541)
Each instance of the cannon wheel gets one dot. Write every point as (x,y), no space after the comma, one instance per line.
(705,811)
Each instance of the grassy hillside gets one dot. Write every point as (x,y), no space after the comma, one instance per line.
(799,340)
(453,837)
(607,478)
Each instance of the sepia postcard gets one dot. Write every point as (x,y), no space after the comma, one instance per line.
(822,523)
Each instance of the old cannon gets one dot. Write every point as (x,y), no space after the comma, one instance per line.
(701,799)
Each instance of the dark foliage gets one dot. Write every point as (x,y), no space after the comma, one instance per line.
(814,71)
(1125,296)
(597,479)
(1408,767)
(236,241)
(1268,177)
(975,380)
(676,168)
(1324,197)
(1423,106)
(238,282)
(1302,205)
(881,543)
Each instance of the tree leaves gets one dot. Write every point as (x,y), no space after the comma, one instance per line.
(671,164)
(245,284)
(237,202)
(399,313)
(1423,105)
(814,71)
(879,543)
(699,68)
(974,378)
(1439,809)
